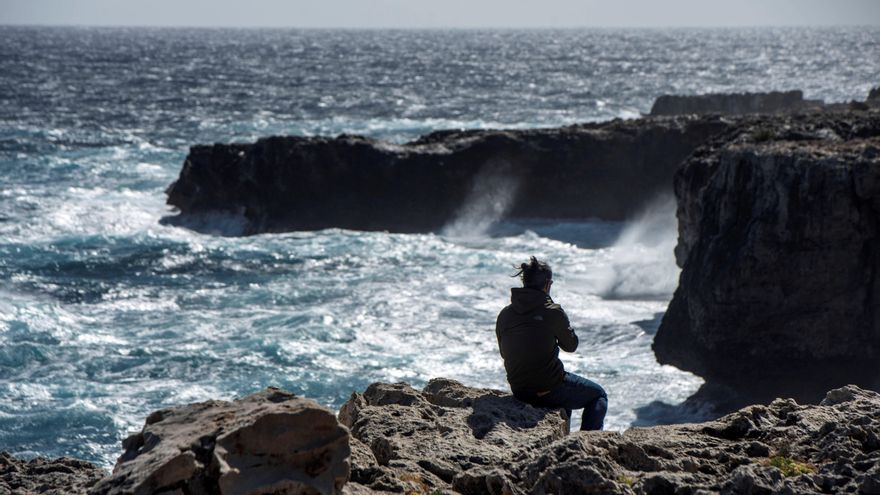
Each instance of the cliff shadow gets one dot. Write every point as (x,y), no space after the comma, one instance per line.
(650,326)
(711,401)
(715,399)
(491,410)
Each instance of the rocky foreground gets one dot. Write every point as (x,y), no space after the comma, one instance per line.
(60,476)
(475,441)
(448,438)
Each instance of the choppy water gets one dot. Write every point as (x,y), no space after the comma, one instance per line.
(106,315)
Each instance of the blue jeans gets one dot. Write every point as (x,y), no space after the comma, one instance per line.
(576,392)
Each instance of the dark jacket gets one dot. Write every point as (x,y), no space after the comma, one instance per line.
(530,333)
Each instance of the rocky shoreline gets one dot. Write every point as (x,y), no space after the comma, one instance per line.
(449,438)
(607,170)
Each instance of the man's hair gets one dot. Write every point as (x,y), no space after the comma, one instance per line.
(534,274)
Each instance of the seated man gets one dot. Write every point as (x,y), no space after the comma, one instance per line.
(530,332)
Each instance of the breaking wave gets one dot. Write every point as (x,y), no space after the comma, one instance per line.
(490,197)
(642,265)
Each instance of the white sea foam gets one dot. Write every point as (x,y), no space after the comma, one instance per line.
(491,195)
(642,263)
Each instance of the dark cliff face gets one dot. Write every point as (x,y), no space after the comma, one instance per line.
(289,183)
(733,103)
(779,241)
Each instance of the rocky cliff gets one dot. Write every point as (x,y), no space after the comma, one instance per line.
(733,103)
(779,244)
(448,438)
(605,170)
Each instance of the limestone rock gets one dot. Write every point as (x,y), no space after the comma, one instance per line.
(444,437)
(606,170)
(423,442)
(732,103)
(62,476)
(779,241)
(268,442)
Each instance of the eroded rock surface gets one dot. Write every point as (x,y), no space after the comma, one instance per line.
(62,476)
(449,438)
(607,170)
(779,241)
(446,436)
(268,442)
(452,438)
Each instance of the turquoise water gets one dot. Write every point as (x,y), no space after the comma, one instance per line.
(106,315)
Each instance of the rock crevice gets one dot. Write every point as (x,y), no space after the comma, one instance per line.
(782,447)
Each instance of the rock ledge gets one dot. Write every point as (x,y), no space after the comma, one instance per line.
(449,438)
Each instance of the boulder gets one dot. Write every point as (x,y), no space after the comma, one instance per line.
(733,103)
(62,476)
(779,244)
(268,442)
(605,170)
(444,437)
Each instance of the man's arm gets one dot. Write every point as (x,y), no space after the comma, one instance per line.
(565,336)
(498,324)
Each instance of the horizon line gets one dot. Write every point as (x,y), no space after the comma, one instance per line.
(439,28)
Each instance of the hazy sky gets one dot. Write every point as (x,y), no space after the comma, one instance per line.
(441,13)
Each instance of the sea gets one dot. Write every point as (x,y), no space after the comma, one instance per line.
(107,314)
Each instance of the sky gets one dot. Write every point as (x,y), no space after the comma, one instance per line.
(441,13)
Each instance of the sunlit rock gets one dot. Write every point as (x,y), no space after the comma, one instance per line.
(268,442)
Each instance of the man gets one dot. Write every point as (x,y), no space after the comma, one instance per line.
(530,332)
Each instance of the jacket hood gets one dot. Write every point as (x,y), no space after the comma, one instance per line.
(525,299)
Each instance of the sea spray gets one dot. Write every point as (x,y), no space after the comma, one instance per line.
(642,263)
(492,192)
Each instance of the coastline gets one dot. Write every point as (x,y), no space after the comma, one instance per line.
(735,453)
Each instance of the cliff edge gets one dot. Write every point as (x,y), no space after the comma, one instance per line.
(607,170)
(779,244)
